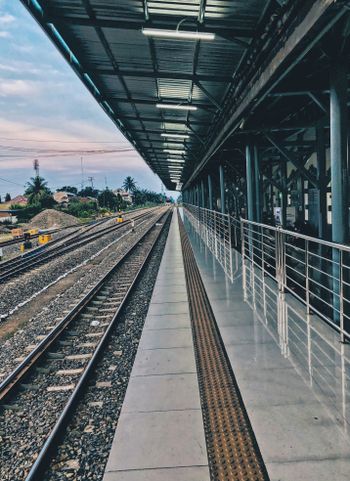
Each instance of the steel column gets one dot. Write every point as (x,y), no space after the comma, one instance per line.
(210,192)
(284,192)
(338,150)
(321,176)
(222,189)
(250,183)
(202,192)
(258,182)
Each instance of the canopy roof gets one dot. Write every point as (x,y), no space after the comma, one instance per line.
(129,72)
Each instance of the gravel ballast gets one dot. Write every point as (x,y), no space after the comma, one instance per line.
(24,432)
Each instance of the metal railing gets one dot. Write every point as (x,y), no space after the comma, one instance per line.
(218,231)
(316,272)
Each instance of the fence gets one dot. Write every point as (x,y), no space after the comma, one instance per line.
(220,232)
(316,272)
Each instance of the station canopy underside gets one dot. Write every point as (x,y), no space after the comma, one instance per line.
(178,100)
(129,72)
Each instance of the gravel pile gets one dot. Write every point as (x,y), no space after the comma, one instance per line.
(18,290)
(51,218)
(27,425)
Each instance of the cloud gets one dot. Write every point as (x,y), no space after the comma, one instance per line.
(6,19)
(17,88)
(4,34)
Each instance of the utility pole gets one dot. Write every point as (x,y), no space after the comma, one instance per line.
(36,167)
(82,173)
(91,180)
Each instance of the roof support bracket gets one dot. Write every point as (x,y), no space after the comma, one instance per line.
(208,94)
(289,156)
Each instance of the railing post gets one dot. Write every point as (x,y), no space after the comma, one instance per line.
(230,245)
(307,273)
(244,274)
(341,296)
(263,270)
(215,236)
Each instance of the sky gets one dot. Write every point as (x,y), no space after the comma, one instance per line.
(46,113)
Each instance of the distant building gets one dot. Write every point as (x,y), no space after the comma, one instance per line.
(126,196)
(63,198)
(18,200)
(85,200)
(8,216)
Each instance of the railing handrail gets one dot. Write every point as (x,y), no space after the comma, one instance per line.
(299,235)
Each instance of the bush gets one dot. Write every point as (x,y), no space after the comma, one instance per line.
(81,209)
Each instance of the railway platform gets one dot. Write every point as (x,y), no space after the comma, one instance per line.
(290,371)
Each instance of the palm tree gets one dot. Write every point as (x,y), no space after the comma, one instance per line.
(37,190)
(129,184)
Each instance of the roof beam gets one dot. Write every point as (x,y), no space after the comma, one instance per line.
(164,75)
(160,120)
(126,24)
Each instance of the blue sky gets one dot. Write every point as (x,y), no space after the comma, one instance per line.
(46,113)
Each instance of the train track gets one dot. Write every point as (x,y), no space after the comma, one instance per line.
(15,267)
(56,372)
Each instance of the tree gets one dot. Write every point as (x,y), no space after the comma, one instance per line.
(129,184)
(7,197)
(68,188)
(106,198)
(88,192)
(38,192)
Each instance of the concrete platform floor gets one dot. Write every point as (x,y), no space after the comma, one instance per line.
(292,372)
(160,433)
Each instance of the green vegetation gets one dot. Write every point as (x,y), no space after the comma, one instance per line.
(89,202)
(38,193)
(81,209)
(129,184)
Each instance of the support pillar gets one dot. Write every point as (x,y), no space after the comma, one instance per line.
(202,194)
(210,192)
(250,183)
(222,189)
(284,192)
(321,177)
(338,150)
(258,185)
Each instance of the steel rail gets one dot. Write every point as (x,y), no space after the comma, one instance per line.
(22,265)
(41,464)
(17,375)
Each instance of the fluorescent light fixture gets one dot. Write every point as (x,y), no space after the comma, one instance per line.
(176,136)
(174,151)
(176,106)
(176,161)
(178,34)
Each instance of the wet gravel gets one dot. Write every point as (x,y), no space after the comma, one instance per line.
(47,316)
(24,428)
(84,451)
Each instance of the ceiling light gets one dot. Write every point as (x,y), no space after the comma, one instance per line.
(176,161)
(174,151)
(178,34)
(176,106)
(176,136)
